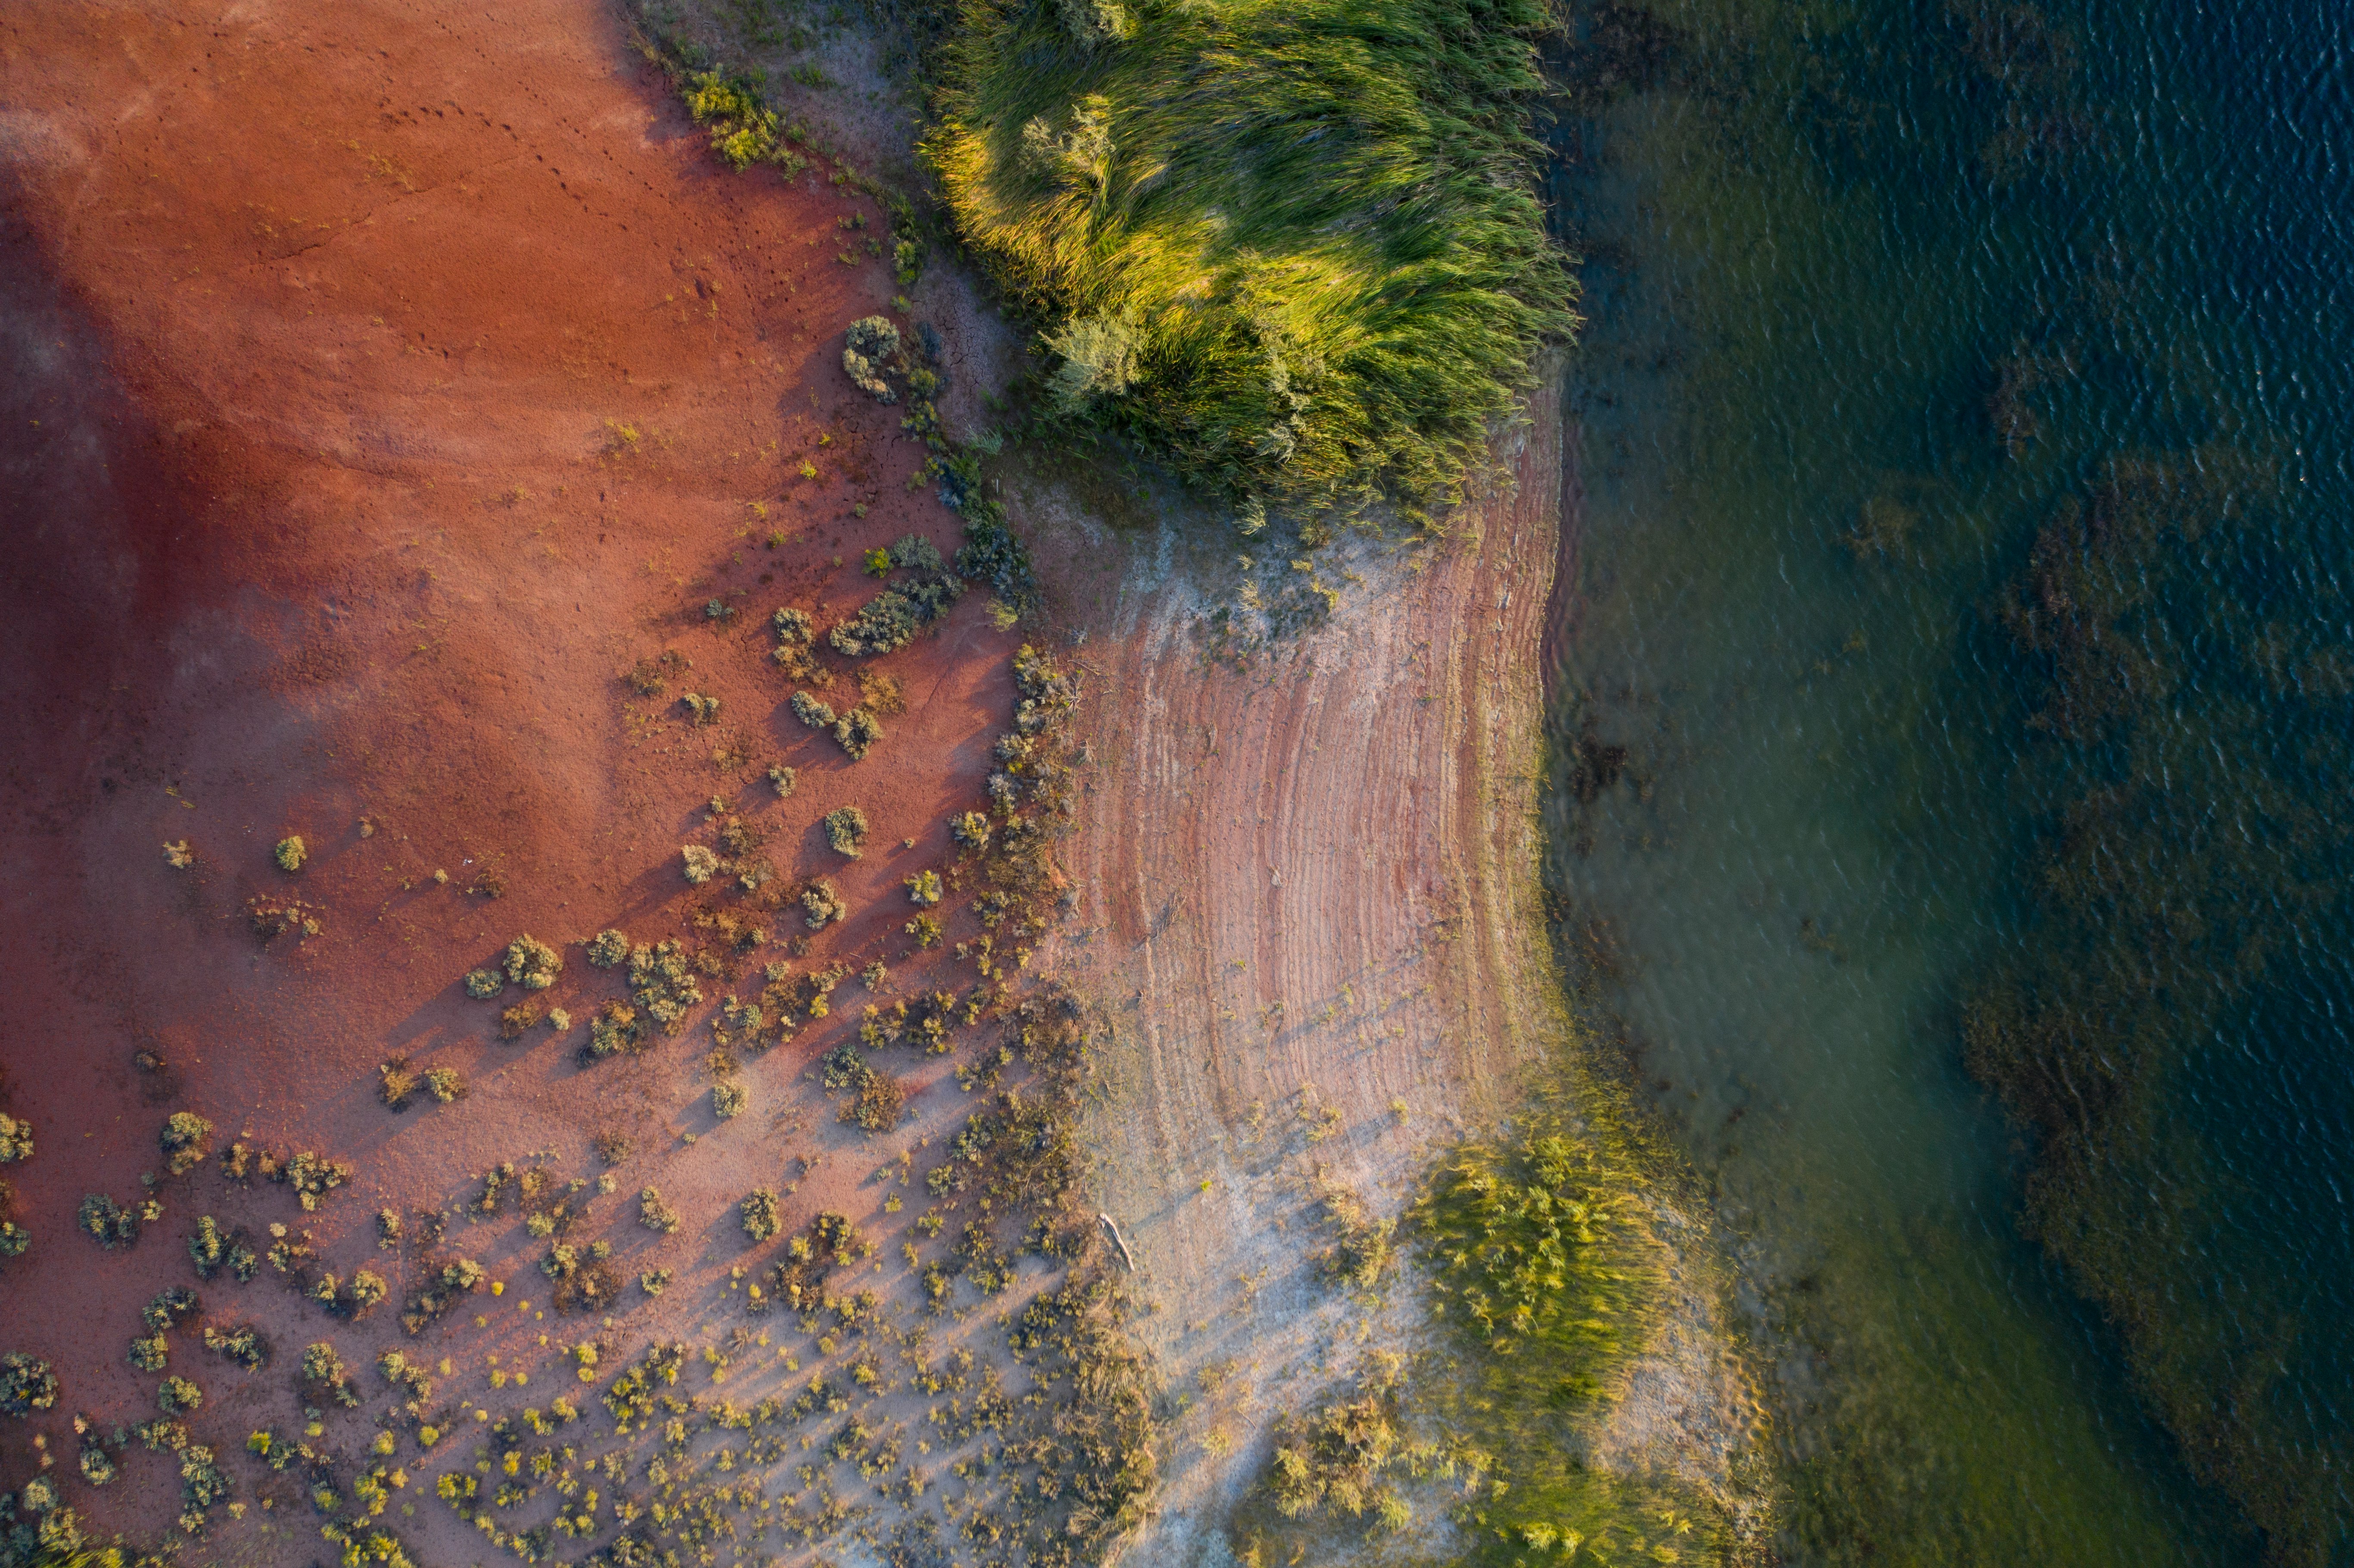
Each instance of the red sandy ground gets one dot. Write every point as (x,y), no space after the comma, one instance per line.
(381,380)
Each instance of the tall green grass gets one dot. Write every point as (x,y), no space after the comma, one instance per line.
(1292,246)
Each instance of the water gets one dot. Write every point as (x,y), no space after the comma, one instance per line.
(1881,294)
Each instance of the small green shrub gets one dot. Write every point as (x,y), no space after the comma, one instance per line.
(728,1101)
(845,829)
(824,905)
(763,1215)
(891,619)
(614,1029)
(532,963)
(242,1344)
(483,984)
(211,1251)
(107,1224)
(794,627)
(396,1083)
(168,1306)
(654,1281)
(881,1104)
(856,732)
(186,1138)
(655,1215)
(97,1466)
(1363,1248)
(440,1292)
(781,779)
(290,852)
(323,1379)
(1336,1460)
(924,888)
(702,710)
(517,1021)
(810,710)
(16,1139)
(872,341)
(179,857)
(925,929)
(699,864)
(388,1228)
(27,1384)
(151,1352)
(445,1083)
(177,1397)
(606,948)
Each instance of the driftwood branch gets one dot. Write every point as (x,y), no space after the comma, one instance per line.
(1119,1241)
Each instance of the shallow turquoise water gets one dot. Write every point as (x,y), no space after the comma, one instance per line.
(1926,272)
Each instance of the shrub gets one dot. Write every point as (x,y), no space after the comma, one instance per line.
(614,1029)
(728,1101)
(517,1021)
(532,963)
(16,1139)
(179,857)
(211,1251)
(445,1083)
(969,829)
(274,918)
(1362,1249)
(925,929)
(177,1397)
(290,852)
(655,1215)
(396,1082)
(168,1306)
(654,1281)
(856,732)
(606,948)
(106,1224)
(763,1217)
(823,904)
(354,1300)
(702,709)
(611,1147)
(151,1352)
(663,982)
(810,710)
(845,829)
(794,627)
(699,864)
(97,1467)
(891,619)
(871,341)
(881,1104)
(242,1344)
(781,779)
(186,1138)
(483,984)
(25,1385)
(924,888)
(1334,1460)
(440,1292)
(388,1228)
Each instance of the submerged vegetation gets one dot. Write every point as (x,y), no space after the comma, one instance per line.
(1294,249)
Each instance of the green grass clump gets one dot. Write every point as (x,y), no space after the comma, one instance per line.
(1294,245)
(1545,1267)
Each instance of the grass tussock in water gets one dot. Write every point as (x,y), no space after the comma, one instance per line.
(1291,245)
(1550,1279)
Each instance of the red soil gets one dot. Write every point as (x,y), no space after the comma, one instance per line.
(351,356)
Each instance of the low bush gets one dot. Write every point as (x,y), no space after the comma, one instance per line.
(614,1030)
(151,1352)
(186,1138)
(27,1384)
(728,1101)
(891,619)
(106,1223)
(242,1344)
(871,341)
(354,1300)
(655,1215)
(856,733)
(532,963)
(441,1289)
(212,1251)
(16,1139)
(969,829)
(517,1021)
(781,779)
(812,711)
(824,905)
(168,1306)
(606,948)
(763,1217)
(485,984)
(177,1397)
(845,829)
(290,852)
(699,864)
(700,708)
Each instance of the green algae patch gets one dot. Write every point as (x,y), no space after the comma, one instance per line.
(1294,247)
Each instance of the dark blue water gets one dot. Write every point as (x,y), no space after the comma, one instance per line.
(1953,776)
